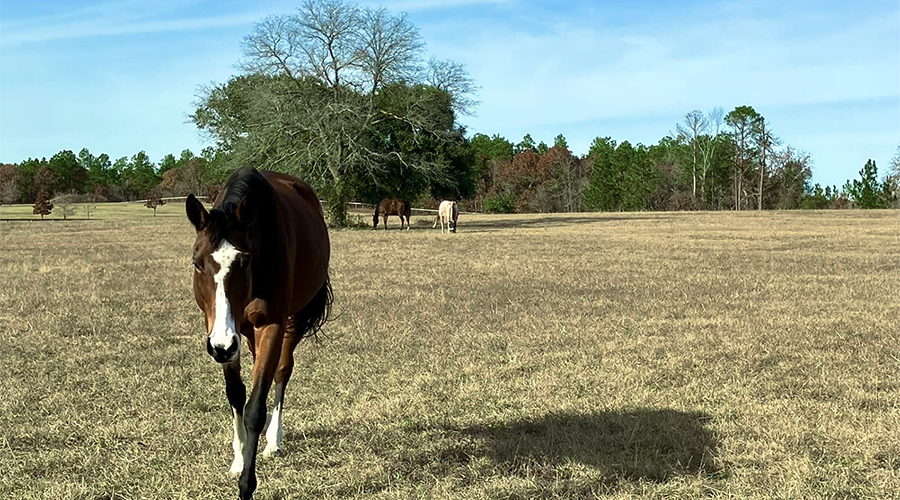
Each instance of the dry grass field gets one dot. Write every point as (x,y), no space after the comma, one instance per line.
(647,355)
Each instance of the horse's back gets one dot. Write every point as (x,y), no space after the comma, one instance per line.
(448,209)
(395,206)
(289,187)
(305,232)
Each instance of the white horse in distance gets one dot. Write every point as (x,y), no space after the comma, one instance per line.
(448,212)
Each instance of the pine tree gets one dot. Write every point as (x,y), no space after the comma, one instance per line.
(866,191)
(602,193)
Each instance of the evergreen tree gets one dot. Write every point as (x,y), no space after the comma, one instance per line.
(527,144)
(638,176)
(603,189)
(866,192)
(560,142)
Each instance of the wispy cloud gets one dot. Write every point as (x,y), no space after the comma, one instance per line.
(419,5)
(98,28)
(131,17)
(819,71)
(575,72)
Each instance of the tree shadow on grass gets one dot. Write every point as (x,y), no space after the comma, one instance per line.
(646,444)
(500,222)
(561,455)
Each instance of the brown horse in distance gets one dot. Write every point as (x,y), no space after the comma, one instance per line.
(388,207)
(261,271)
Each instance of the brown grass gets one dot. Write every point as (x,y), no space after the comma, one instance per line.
(676,355)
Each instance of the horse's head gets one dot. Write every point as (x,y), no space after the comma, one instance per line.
(222,273)
(454,213)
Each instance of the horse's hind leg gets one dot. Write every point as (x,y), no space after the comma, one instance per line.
(275,432)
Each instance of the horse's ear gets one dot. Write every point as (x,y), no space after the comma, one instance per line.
(243,213)
(196,212)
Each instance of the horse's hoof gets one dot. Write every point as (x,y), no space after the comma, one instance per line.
(236,468)
(273,452)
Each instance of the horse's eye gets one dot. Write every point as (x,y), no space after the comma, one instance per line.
(198,266)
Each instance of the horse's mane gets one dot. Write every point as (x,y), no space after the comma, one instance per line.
(245,184)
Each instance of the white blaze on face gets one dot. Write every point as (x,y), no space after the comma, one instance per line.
(224,334)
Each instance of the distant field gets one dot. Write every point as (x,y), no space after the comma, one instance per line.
(97,211)
(645,355)
(128,210)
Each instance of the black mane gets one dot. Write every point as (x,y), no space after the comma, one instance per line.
(245,184)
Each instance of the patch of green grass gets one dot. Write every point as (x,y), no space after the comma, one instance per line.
(674,355)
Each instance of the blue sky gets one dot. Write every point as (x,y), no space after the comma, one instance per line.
(120,76)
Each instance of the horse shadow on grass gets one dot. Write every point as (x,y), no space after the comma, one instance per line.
(500,222)
(644,445)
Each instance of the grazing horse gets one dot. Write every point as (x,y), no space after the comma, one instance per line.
(392,207)
(448,212)
(261,271)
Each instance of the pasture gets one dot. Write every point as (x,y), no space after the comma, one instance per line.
(644,355)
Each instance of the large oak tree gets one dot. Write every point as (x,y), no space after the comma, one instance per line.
(325,93)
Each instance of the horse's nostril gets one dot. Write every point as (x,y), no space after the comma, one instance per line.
(222,353)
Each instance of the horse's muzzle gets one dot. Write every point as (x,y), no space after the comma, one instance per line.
(223,355)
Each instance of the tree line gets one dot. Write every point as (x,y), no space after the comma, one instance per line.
(683,171)
(344,97)
(713,161)
(95,178)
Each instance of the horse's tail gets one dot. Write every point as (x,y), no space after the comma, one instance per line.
(407,209)
(311,318)
(375,217)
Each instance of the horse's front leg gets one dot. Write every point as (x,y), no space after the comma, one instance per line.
(237,395)
(268,339)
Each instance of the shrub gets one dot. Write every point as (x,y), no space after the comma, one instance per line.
(503,203)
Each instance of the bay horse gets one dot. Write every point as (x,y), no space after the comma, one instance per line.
(261,271)
(391,206)
(448,212)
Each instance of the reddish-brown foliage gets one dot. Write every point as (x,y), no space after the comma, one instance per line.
(43,206)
